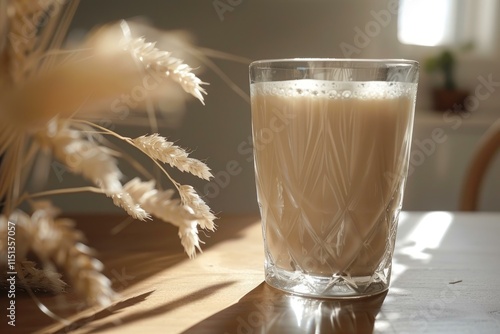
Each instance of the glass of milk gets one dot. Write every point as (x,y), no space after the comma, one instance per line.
(331,146)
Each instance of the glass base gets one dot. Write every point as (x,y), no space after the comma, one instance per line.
(335,286)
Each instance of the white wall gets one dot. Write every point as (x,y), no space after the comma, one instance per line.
(260,29)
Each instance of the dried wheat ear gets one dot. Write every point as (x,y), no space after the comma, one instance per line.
(65,89)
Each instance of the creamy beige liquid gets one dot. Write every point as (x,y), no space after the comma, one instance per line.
(330,161)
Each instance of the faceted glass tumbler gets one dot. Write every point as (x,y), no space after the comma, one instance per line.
(331,149)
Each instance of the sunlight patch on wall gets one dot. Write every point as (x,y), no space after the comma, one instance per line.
(426,22)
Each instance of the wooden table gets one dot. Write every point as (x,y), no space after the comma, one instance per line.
(445,280)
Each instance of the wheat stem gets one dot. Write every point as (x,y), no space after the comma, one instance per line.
(223,55)
(122,155)
(41,306)
(61,29)
(103,129)
(129,141)
(65,191)
(227,80)
(28,196)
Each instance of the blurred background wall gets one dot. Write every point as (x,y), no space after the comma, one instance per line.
(219,132)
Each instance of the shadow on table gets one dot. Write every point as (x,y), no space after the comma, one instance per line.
(139,251)
(267,310)
(140,315)
(144,249)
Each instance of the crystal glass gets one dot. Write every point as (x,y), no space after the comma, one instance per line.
(331,149)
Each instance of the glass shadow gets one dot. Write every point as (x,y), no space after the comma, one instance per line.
(268,310)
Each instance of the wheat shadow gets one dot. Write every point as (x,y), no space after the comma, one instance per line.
(104,313)
(138,252)
(162,309)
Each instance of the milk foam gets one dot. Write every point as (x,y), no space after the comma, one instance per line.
(334,89)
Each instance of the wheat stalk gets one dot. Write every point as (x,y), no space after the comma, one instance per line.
(34,25)
(126,202)
(157,147)
(55,241)
(22,39)
(81,156)
(162,205)
(190,198)
(39,100)
(163,62)
(92,161)
(43,280)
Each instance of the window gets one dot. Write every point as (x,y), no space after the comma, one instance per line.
(425,22)
(448,23)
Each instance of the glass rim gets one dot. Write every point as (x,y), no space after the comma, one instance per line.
(360,61)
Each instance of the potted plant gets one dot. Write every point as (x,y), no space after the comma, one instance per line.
(447,96)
